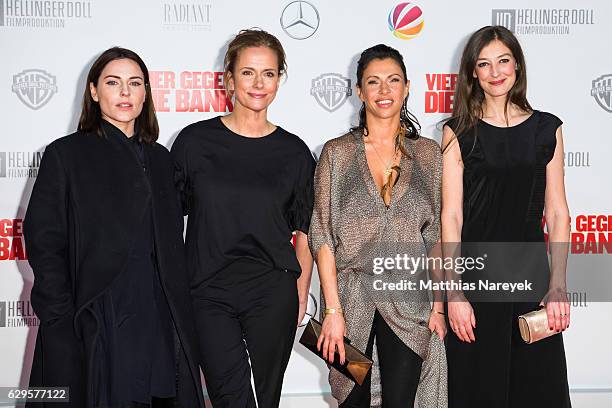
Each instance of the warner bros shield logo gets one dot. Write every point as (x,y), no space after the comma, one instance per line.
(331,90)
(34,87)
(602,92)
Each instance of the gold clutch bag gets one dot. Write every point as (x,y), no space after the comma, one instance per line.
(534,326)
(356,365)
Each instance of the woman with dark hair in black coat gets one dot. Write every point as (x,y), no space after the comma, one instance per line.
(103,232)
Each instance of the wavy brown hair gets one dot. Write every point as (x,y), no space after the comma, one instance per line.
(91,116)
(469,96)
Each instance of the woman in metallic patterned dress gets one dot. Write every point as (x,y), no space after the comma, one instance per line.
(365,212)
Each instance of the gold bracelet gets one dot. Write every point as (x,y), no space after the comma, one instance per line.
(442,313)
(332,310)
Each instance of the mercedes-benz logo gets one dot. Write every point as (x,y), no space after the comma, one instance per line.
(299,20)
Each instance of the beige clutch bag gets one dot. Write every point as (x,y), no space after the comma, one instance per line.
(534,326)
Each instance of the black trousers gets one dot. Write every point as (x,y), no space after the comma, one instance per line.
(400,370)
(248,312)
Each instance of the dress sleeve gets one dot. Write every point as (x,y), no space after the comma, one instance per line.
(431,229)
(451,123)
(46,236)
(181,172)
(300,209)
(547,136)
(320,232)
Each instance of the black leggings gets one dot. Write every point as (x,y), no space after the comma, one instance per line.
(400,370)
(248,312)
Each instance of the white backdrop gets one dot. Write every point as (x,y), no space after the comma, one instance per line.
(47,48)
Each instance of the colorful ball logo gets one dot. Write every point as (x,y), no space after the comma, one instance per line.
(406,20)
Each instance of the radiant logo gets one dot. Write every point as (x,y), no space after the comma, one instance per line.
(331,90)
(34,87)
(406,20)
(602,92)
(180,15)
(300,20)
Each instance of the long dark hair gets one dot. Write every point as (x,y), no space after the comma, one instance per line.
(469,96)
(91,117)
(407,120)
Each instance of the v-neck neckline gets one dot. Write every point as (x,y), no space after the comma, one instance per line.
(401,185)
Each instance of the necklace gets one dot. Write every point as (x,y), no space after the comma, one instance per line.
(389,166)
(388,183)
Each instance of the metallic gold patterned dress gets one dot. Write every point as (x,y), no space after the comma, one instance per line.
(351,218)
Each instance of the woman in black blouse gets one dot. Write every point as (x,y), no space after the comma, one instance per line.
(104,237)
(247,186)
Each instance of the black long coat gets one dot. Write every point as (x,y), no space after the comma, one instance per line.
(82,219)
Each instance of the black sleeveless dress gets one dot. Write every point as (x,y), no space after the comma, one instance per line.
(504,181)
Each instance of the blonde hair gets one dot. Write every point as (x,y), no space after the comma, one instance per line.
(253,37)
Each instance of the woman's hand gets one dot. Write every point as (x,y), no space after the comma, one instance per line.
(461,318)
(557,309)
(332,337)
(437,324)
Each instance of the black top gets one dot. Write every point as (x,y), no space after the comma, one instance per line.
(504,178)
(504,183)
(244,196)
(135,317)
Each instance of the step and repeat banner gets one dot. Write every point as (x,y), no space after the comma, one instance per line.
(47,47)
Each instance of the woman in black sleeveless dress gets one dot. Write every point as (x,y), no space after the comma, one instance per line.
(502,171)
